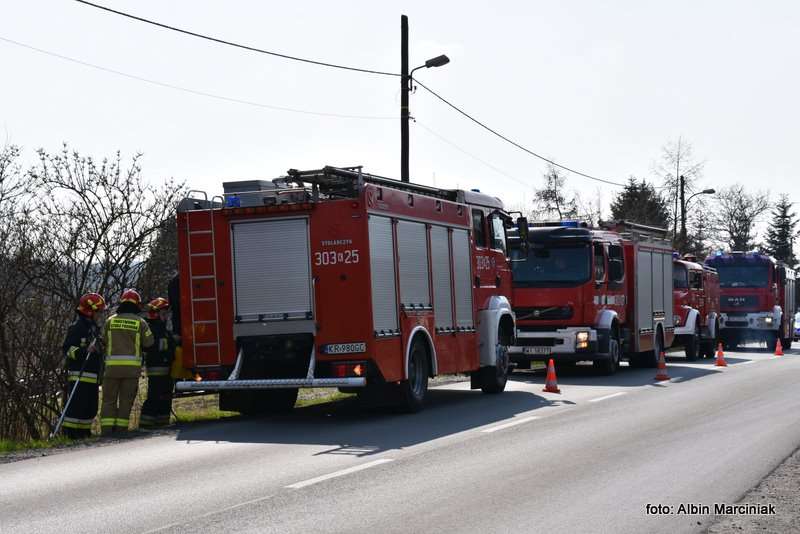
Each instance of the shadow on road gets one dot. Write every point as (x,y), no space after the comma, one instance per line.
(354,430)
(626,376)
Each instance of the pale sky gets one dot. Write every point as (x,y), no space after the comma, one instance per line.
(598,86)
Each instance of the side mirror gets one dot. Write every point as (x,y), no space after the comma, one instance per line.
(522,228)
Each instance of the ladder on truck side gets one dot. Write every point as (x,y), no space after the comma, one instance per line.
(201,248)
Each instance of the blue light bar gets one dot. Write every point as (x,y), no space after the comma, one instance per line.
(570,224)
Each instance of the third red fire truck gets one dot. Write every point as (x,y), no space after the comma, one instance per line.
(338,278)
(592,294)
(696,307)
(757,300)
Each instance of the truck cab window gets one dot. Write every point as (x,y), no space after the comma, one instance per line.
(599,263)
(478,228)
(616,264)
(695,279)
(498,233)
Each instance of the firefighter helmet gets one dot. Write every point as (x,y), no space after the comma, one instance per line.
(156,305)
(90,303)
(132,296)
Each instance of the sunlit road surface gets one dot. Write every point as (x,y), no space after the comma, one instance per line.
(587,460)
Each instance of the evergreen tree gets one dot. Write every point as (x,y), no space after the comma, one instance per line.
(640,203)
(782,232)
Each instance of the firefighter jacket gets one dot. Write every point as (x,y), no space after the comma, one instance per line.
(81,333)
(158,357)
(125,335)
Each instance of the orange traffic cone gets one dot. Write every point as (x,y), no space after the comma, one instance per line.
(778,348)
(720,357)
(662,368)
(550,384)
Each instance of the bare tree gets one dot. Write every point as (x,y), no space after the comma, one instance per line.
(551,201)
(68,226)
(677,159)
(737,213)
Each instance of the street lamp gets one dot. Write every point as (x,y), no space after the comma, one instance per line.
(684,203)
(405,88)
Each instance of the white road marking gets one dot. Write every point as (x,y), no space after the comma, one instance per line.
(513,422)
(598,399)
(745,363)
(340,473)
(774,357)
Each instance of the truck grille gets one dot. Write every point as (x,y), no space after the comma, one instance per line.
(543,313)
(739,301)
(539,341)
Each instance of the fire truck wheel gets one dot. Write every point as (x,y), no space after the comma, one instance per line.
(494,378)
(609,366)
(787,343)
(692,345)
(414,390)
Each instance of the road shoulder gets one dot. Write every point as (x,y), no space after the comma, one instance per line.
(780,488)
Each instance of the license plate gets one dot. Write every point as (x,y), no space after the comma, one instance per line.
(537,350)
(345,348)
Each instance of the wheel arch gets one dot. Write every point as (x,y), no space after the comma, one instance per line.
(420,332)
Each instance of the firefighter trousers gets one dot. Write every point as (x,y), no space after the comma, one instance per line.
(82,409)
(157,407)
(118,397)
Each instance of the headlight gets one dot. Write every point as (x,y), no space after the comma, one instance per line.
(767,320)
(582,340)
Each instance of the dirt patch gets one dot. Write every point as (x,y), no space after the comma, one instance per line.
(781,488)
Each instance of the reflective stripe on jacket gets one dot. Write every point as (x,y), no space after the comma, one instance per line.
(125,335)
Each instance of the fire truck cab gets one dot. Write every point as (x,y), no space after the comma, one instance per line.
(338,278)
(592,294)
(757,298)
(695,307)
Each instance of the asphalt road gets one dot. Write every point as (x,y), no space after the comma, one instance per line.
(588,460)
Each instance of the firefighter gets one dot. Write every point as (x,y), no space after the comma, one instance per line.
(158,360)
(125,335)
(81,349)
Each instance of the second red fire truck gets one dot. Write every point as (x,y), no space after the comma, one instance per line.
(592,294)
(338,278)
(696,307)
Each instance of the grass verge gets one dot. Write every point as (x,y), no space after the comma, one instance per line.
(10,445)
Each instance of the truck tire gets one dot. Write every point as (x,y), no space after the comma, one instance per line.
(649,359)
(787,343)
(609,366)
(414,390)
(493,378)
(772,340)
(692,345)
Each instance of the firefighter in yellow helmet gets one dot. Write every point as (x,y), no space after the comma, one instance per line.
(83,355)
(158,360)
(125,335)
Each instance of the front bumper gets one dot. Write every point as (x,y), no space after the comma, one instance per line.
(558,344)
(277,383)
(751,321)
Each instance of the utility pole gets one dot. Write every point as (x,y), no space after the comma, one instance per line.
(404,88)
(682,241)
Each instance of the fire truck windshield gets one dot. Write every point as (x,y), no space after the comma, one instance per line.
(743,275)
(551,265)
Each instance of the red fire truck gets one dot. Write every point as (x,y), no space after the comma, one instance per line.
(338,278)
(695,307)
(592,294)
(757,298)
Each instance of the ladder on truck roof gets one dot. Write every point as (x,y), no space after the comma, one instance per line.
(202,267)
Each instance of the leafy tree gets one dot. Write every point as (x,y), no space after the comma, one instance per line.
(639,202)
(736,215)
(551,201)
(782,232)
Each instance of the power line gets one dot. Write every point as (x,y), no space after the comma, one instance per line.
(195,91)
(506,139)
(236,45)
(473,156)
